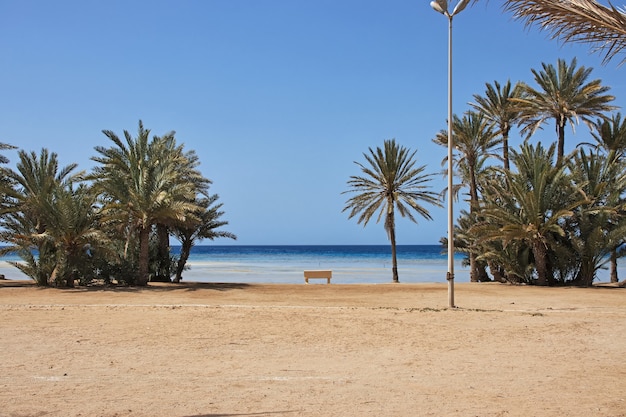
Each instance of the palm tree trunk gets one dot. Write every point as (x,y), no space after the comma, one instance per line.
(52,280)
(560,128)
(391,228)
(475,268)
(163,237)
(505,150)
(474,271)
(144,255)
(586,272)
(185,250)
(614,277)
(394,261)
(539,252)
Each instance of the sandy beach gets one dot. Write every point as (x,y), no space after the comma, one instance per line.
(312,350)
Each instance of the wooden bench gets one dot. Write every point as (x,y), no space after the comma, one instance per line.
(322,274)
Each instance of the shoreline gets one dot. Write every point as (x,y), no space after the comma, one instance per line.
(216,272)
(203,271)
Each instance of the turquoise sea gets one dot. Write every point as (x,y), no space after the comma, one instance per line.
(351,264)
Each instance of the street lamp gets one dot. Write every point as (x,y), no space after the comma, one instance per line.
(441,6)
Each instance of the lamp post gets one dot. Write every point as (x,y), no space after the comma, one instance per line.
(441,6)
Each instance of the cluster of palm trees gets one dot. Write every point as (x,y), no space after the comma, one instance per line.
(537,215)
(113,223)
(551,218)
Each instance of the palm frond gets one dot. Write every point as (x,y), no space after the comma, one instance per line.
(577,21)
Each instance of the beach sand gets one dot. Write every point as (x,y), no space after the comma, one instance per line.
(312,350)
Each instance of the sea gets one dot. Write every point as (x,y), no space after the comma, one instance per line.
(350,264)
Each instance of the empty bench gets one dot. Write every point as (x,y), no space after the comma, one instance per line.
(318,274)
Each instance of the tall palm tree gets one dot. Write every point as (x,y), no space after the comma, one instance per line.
(564,95)
(142,184)
(186,163)
(390,182)
(531,210)
(204,227)
(475,141)
(578,21)
(500,111)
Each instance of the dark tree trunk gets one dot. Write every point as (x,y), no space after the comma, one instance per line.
(71,277)
(185,251)
(144,256)
(505,148)
(483,276)
(561,144)
(586,273)
(391,228)
(163,261)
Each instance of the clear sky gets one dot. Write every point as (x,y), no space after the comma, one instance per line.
(277,97)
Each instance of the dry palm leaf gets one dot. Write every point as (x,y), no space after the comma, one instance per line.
(581,21)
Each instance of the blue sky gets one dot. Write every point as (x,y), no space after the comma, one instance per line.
(277,97)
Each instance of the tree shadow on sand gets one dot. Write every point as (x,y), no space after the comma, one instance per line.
(151,287)
(167,287)
(264,413)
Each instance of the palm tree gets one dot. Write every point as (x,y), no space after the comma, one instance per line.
(186,166)
(579,21)
(17,230)
(598,226)
(531,210)
(563,95)
(5,184)
(610,138)
(35,184)
(74,230)
(475,141)
(205,227)
(498,108)
(36,180)
(142,186)
(390,182)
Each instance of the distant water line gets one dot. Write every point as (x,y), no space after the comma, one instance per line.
(349,263)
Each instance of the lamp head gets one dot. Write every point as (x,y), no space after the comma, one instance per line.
(460,6)
(440,6)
